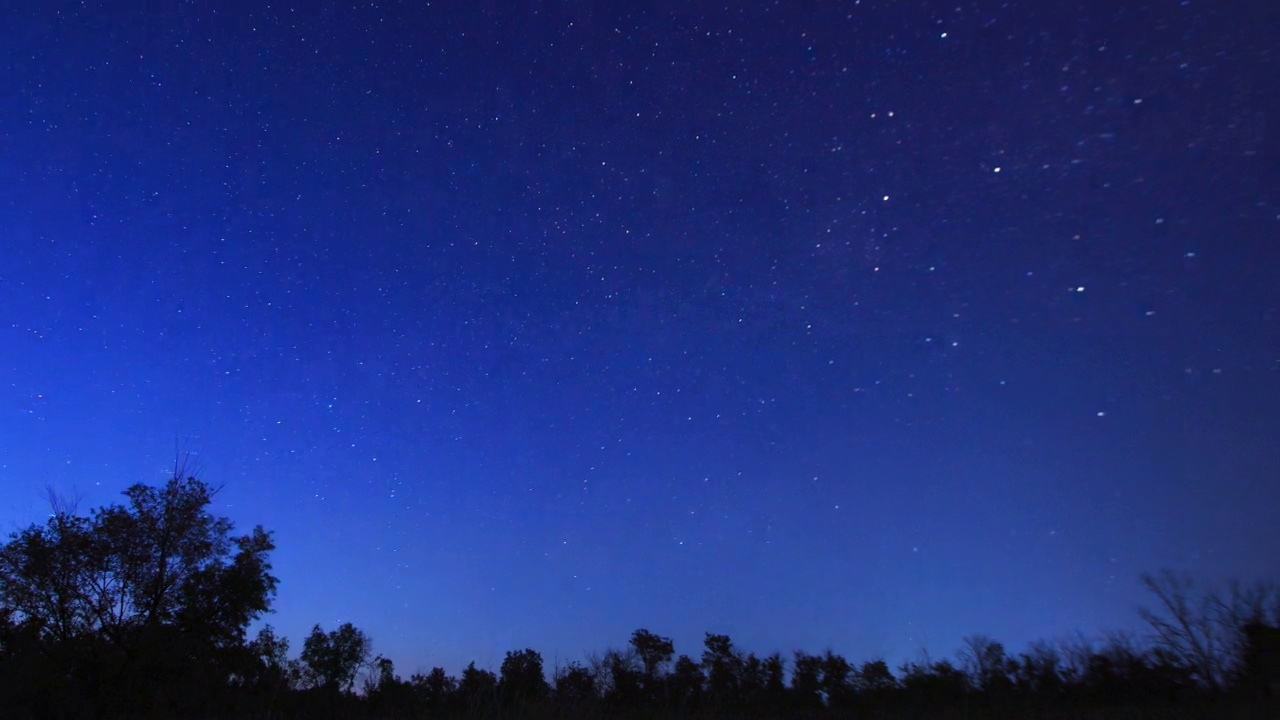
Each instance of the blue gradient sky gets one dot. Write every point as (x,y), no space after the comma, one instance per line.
(852,325)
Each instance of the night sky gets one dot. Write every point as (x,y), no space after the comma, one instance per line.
(861,325)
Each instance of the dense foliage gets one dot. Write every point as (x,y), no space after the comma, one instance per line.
(135,607)
(141,610)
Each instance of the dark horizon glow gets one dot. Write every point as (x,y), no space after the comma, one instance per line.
(855,325)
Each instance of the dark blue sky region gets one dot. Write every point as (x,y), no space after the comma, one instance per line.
(862,325)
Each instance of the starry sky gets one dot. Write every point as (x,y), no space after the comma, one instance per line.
(861,325)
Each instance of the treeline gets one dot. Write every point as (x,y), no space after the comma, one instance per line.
(142,610)
(1076,679)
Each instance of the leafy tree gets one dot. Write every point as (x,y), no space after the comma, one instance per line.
(934,684)
(575,686)
(268,671)
(162,559)
(380,677)
(331,660)
(8,631)
(618,676)
(655,652)
(874,687)
(837,679)
(435,690)
(270,650)
(687,682)
(806,680)
(147,599)
(521,678)
(774,669)
(752,680)
(385,693)
(762,682)
(875,677)
(723,666)
(478,690)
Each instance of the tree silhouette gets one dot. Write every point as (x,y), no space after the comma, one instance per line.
(655,653)
(687,682)
(762,684)
(806,682)
(161,560)
(932,685)
(435,691)
(875,676)
(267,669)
(653,650)
(1259,670)
(521,680)
(1204,630)
(155,593)
(140,610)
(331,660)
(723,667)
(837,680)
(477,691)
(984,661)
(1185,626)
(625,678)
(271,651)
(575,687)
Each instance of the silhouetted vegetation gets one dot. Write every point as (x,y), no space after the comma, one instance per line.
(142,610)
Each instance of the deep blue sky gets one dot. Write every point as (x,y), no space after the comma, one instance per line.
(862,325)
